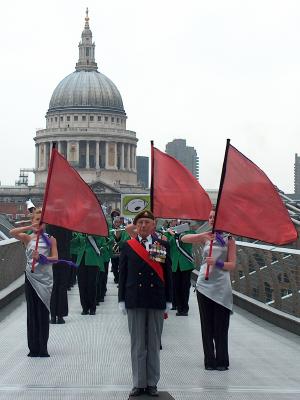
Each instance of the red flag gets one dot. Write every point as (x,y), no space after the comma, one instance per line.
(175,192)
(69,202)
(249,204)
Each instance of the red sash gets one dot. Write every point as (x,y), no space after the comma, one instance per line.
(143,253)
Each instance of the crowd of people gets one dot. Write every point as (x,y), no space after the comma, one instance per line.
(152,268)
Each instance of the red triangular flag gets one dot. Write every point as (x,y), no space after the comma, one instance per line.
(69,202)
(175,192)
(249,204)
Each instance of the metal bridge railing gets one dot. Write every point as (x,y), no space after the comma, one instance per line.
(12,261)
(268,274)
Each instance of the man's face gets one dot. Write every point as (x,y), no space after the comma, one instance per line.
(145,226)
(117,223)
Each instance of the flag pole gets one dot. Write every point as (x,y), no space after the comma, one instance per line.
(218,201)
(44,202)
(152,175)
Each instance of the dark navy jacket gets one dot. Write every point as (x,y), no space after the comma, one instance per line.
(139,285)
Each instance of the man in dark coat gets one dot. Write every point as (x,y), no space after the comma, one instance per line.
(145,294)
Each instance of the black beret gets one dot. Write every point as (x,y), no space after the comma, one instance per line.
(143,214)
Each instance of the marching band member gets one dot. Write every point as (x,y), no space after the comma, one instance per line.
(215,294)
(182,266)
(38,284)
(119,236)
(89,261)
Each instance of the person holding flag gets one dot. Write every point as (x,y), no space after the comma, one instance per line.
(38,284)
(214,295)
(145,294)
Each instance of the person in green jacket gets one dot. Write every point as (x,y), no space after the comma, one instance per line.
(103,269)
(182,266)
(90,263)
(119,236)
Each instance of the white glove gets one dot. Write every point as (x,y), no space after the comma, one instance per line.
(168,307)
(122,307)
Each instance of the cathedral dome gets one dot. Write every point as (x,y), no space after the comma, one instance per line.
(86,90)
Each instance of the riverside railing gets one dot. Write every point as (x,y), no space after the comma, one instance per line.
(268,274)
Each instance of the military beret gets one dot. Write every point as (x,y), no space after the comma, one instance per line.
(143,214)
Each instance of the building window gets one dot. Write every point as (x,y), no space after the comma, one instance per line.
(91,118)
(75,117)
(106,119)
(118,121)
(51,119)
(112,119)
(87,51)
(68,118)
(83,118)
(61,118)
(99,117)
(55,119)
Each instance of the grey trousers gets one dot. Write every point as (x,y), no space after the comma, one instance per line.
(145,328)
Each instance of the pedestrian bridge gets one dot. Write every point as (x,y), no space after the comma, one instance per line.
(90,357)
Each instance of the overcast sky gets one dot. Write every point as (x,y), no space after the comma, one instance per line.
(200,70)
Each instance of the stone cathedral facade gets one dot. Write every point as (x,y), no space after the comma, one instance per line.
(87,121)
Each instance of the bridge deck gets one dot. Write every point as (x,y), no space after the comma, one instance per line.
(90,358)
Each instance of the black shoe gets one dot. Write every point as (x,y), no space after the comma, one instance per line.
(221,368)
(136,392)
(98,303)
(53,320)
(182,314)
(101,300)
(32,354)
(84,312)
(61,320)
(152,391)
(174,308)
(92,312)
(43,355)
(209,368)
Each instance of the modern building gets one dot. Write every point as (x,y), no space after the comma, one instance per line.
(142,167)
(185,154)
(297,176)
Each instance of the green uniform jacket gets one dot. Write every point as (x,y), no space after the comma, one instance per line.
(106,248)
(123,238)
(81,246)
(178,259)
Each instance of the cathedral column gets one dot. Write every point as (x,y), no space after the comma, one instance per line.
(131,157)
(87,155)
(50,150)
(128,157)
(134,158)
(44,165)
(122,155)
(106,155)
(77,152)
(36,156)
(116,157)
(68,150)
(97,155)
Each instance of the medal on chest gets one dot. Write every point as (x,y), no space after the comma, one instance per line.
(157,252)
